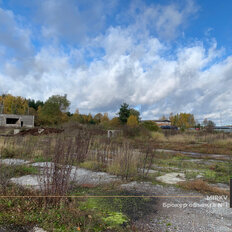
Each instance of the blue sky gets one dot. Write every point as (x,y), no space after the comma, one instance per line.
(159,56)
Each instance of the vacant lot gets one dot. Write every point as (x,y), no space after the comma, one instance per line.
(44,170)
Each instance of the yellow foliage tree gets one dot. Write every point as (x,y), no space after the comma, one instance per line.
(105,118)
(115,122)
(132,121)
(182,120)
(14,105)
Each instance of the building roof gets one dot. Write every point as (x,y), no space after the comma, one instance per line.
(165,120)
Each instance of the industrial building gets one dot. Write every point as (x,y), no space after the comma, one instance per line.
(13,120)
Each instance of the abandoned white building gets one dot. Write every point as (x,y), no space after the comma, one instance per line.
(13,120)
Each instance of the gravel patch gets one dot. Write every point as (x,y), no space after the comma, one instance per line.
(178,214)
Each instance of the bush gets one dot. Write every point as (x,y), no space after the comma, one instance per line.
(131,131)
(151,126)
(8,153)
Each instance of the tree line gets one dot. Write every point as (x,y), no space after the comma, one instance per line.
(55,110)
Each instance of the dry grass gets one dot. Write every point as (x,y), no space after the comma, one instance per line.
(182,138)
(158,136)
(223,142)
(125,162)
(203,187)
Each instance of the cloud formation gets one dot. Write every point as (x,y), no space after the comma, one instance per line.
(130,62)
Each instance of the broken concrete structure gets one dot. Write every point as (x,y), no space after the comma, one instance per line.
(13,120)
(113,133)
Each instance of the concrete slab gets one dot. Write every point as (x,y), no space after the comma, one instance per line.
(171,178)
(84,176)
(149,171)
(43,164)
(30,181)
(13,161)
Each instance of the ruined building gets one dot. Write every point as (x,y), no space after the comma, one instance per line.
(13,120)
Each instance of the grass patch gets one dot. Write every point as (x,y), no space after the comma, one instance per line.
(93,165)
(10,171)
(70,215)
(132,207)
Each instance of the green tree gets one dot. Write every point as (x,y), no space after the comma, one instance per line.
(61,101)
(135,113)
(50,114)
(35,104)
(53,110)
(124,113)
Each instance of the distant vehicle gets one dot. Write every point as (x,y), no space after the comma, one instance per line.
(169,127)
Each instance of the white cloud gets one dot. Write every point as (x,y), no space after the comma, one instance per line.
(14,40)
(164,21)
(124,64)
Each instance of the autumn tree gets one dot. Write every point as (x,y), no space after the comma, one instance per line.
(163,118)
(105,118)
(14,105)
(98,117)
(115,122)
(183,120)
(132,121)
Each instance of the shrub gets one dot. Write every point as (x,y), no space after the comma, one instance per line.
(8,153)
(151,126)
(131,131)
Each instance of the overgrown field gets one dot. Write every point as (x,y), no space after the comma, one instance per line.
(128,157)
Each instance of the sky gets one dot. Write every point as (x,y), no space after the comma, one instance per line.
(159,56)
